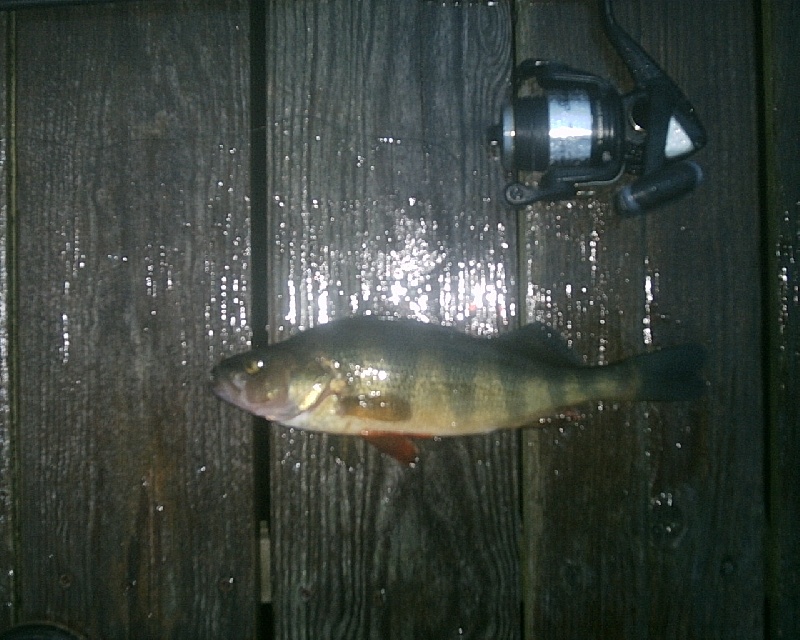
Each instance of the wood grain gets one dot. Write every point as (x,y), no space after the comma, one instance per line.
(7,565)
(647,521)
(135,496)
(782,131)
(133,516)
(382,199)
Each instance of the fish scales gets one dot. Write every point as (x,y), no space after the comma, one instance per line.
(368,375)
(451,391)
(454,396)
(443,394)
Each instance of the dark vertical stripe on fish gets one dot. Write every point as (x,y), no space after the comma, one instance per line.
(465,399)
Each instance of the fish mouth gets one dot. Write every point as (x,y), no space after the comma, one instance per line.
(232,390)
(227,387)
(225,390)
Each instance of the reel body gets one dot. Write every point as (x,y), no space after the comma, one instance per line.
(579,131)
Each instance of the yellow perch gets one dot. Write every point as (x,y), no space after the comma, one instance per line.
(373,377)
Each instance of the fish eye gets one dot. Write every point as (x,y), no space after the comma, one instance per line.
(252,367)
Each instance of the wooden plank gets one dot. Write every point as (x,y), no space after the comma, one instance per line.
(135,499)
(7,564)
(582,562)
(781,20)
(647,521)
(383,199)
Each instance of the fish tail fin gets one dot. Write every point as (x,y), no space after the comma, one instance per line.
(673,373)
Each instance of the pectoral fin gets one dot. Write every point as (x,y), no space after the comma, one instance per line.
(401,448)
(385,408)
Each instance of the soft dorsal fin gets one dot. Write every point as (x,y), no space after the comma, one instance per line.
(536,341)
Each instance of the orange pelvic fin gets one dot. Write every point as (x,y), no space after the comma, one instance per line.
(400,447)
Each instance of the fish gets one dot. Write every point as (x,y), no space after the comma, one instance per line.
(393,380)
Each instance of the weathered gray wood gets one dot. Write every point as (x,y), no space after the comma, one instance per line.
(640,521)
(586,503)
(6,457)
(382,199)
(647,521)
(781,20)
(135,499)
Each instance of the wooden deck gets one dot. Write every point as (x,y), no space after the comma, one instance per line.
(179,180)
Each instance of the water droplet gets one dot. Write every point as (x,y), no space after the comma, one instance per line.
(667,519)
(226,584)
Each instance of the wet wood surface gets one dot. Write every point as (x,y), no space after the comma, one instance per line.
(646,521)
(382,198)
(781,21)
(6,456)
(134,487)
(131,513)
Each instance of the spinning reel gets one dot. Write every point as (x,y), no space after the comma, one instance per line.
(578,131)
